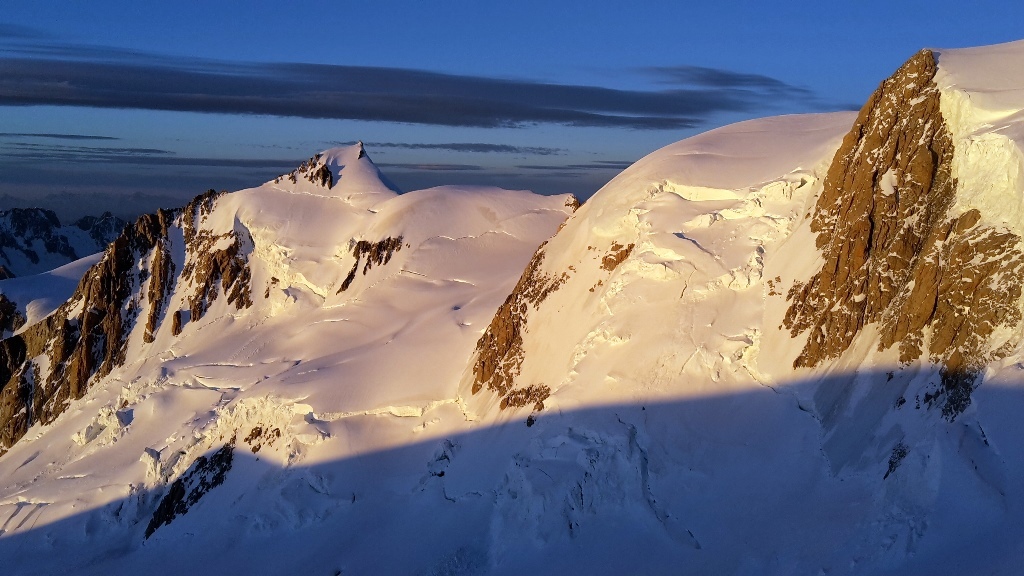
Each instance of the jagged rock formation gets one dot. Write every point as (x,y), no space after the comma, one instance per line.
(314,170)
(215,267)
(376,253)
(937,282)
(10,318)
(53,362)
(33,240)
(24,226)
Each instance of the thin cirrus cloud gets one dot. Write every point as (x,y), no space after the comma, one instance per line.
(721,79)
(471,147)
(55,136)
(431,167)
(15,32)
(22,152)
(596,165)
(39,73)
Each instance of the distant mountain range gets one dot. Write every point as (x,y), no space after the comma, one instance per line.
(33,240)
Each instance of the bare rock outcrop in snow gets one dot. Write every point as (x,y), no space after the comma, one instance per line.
(54,361)
(937,282)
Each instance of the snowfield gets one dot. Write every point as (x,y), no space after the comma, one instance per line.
(340,423)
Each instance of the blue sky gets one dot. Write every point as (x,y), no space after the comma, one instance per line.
(132,105)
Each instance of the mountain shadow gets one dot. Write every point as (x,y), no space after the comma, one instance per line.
(759,481)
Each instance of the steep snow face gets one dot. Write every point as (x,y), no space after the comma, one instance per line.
(983,104)
(657,279)
(37,296)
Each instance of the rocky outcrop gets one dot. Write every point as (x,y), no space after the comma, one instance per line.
(616,255)
(370,254)
(55,361)
(499,352)
(937,283)
(314,170)
(205,474)
(10,318)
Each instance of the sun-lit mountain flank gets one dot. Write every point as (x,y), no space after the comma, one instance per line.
(790,345)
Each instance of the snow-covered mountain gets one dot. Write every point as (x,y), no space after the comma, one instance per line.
(33,240)
(790,345)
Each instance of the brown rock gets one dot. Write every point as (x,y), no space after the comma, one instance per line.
(499,352)
(11,319)
(85,338)
(376,253)
(616,255)
(893,252)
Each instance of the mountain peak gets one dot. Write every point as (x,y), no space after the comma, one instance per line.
(345,172)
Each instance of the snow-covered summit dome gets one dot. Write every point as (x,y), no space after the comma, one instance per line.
(345,172)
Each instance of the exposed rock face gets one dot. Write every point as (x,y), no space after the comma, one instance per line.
(55,361)
(204,475)
(376,253)
(499,352)
(10,318)
(616,255)
(314,170)
(937,283)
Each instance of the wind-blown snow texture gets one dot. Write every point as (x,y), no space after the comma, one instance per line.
(322,376)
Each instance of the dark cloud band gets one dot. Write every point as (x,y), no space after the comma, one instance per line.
(55,136)
(22,153)
(41,74)
(616,165)
(472,147)
(431,167)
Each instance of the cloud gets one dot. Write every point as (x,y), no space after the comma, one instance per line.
(723,79)
(432,167)
(28,152)
(617,165)
(473,147)
(16,32)
(55,136)
(53,150)
(59,74)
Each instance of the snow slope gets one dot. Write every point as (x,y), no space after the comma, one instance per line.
(641,401)
(326,372)
(39,295)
